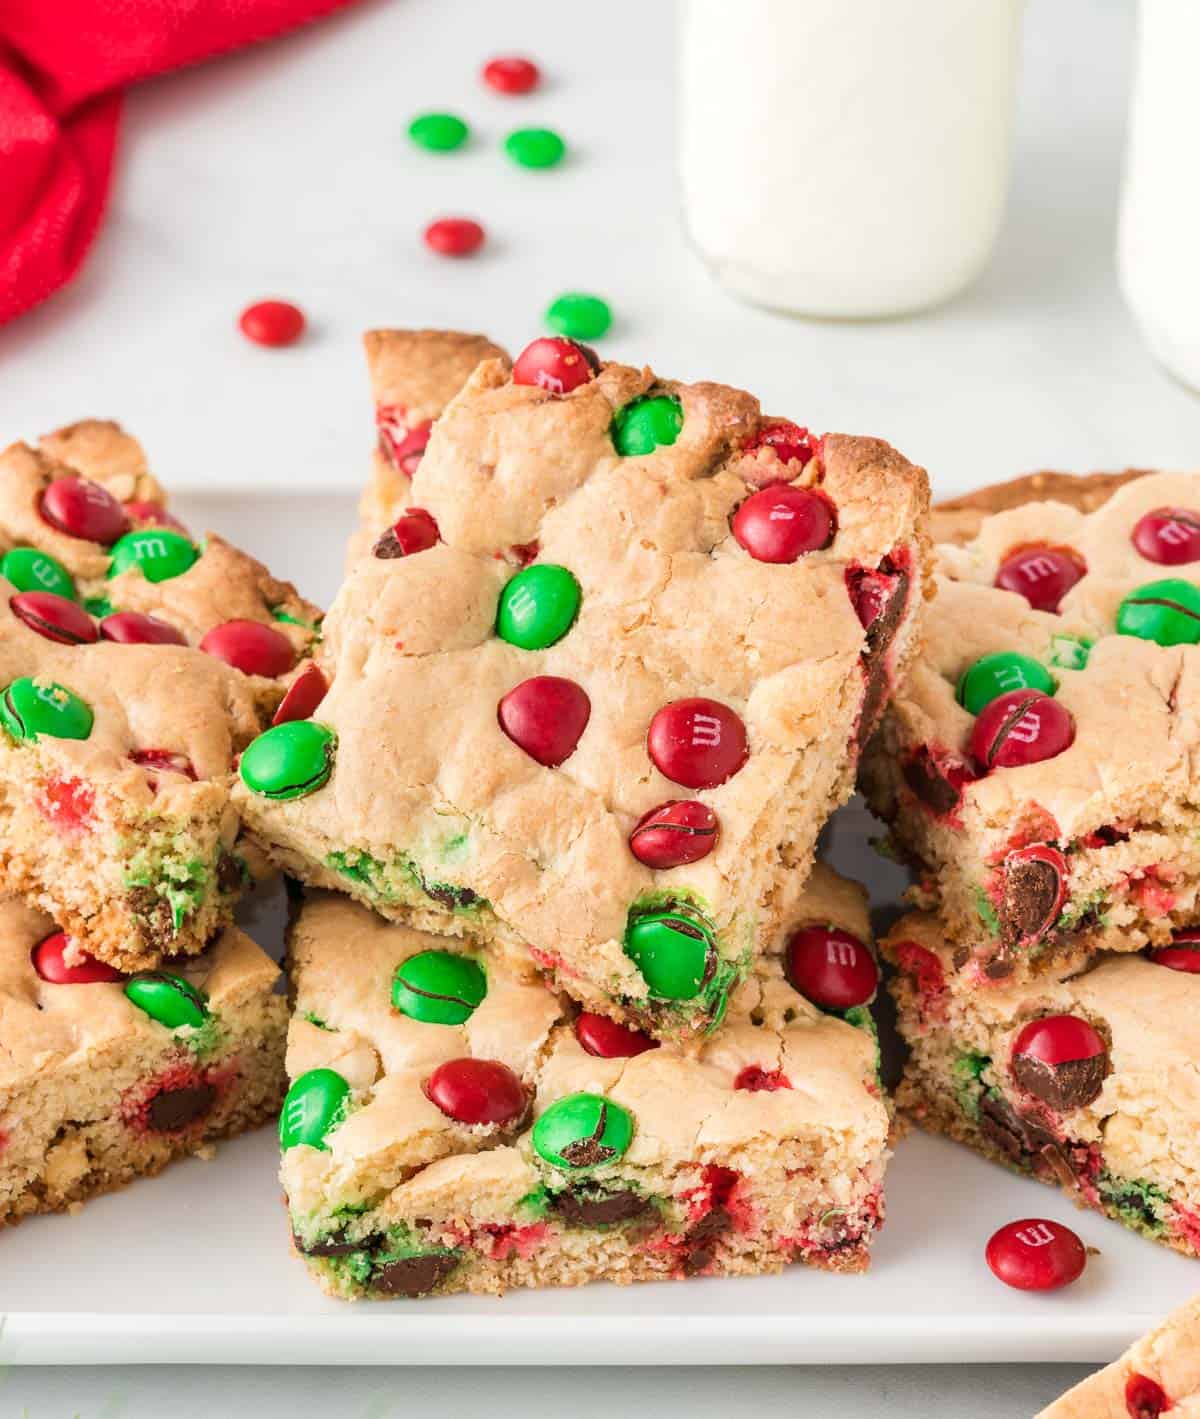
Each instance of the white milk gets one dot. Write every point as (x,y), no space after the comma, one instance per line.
(846,158)
(1159,247)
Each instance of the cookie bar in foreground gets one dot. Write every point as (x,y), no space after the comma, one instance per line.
(1158,1374)
(105,1078)
(1091,1082)
(596,710)
(1041,763)
(414,374)
(450,1127)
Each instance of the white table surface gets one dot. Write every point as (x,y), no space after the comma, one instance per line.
(286,172)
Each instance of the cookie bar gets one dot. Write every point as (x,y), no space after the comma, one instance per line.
(1159,1373)
(1091,1082)
(593,699)
(105,1078)
(959,519)
(1040,764)
(414,374)
(452,1127)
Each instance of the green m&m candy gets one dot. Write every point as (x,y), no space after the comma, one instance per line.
(1167,612)
(438,132)
(438,988)
(674,954)
(994,675)
(290,760)
(29,709)
(311,1107)
(1069,652)
(642,426)
(537,607)
(535,147)
(157,552)
(167,998)
(582,1131)
(99,607)
(31,570)
(579,316)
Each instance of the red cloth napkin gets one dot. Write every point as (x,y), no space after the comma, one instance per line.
(63,64)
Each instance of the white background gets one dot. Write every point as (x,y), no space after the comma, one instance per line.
(286,172)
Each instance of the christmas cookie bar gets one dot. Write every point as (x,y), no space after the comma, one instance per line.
(1040,764)
(105,1078)
(959,519)
(452,1127)
(594,699)
(1158,1374)
(414,374)
(1091,1082)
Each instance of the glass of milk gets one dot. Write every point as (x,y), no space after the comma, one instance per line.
(1158,251)
(846,158)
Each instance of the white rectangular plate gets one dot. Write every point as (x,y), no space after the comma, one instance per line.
(195,1265)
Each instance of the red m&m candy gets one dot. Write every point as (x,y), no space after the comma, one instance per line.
(830,967)
(1169,536)
(54,617)
(1041,574)
(150,514)
(476,1091)
(555,363)
(49,962)
(699,743)
(545,716)
(83,509)
(163,760)
(781,523)
(1021,727)
(454,236)
(402,445)
(272,323)
(790,444)
(1183,954)
(673,834)
(1145,1398)
(304,694)
(251,647)
(1035,1254)
(511,75)
(1060,1059)
(134,628)
(416,531)
(607,1039)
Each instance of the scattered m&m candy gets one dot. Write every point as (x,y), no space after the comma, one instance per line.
(1036,1254)
(266,323)
(136,628)
(168,998)
(289,760)
(511,74)
(781,523)
(579,316)
(674,953)
(554,364)
(83,509)
(50,963)
(157,552)
(546,716)
(1041,574)
(607,1039)
(648,423)
(438,132)
(999,674)
(1061,1060)
(454,236)
(438,988)
(675,833)
(538,606)
(830,967)
(583,1131)
(1021,727)
(31,570)
(698,742)
(1183,954)
(477,1092)
(535,147)
(1166,612)
(304,695)
(55,617)
(1169,536)
(29,709)
(311,1108)
(416,531)
(251,647)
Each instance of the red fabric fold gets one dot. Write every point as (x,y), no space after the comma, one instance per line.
(63,65)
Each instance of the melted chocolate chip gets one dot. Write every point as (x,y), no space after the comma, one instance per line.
(882,630)
(1015,1135)
(176,1108)
(450,896)
(153,915)
(999,966)
(1030,904)
(930,785)
(413,1275)
(335,1244)
(579,1209)
(1064,1086)
(388,547)
(229,873)
(700,1251)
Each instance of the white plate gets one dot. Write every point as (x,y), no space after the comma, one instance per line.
(195,1265)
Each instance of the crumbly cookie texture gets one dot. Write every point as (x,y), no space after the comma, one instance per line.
(414,374)
(1158,1374)
(468,778)
(959,519)
(209,583)
(764,1146)
(1096,845)
(1116,1127)
(96,1090)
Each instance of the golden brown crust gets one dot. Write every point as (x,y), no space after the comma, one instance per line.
(101,450)
(959,519)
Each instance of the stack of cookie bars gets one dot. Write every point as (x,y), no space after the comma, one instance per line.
(136,1022)
(570,999)
(1040,770)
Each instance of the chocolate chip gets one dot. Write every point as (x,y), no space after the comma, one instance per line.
(700,1250)
(961,956)
(930,785)
(694,1262)
(173,1109)
(153,914)
(1014,1134)
(580,1209)
(332,1244)
(882,630)
(388,546)
(1031,896)
(1064,1086)
(413,1275)
(999,966)
(229,873)
(450,896)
